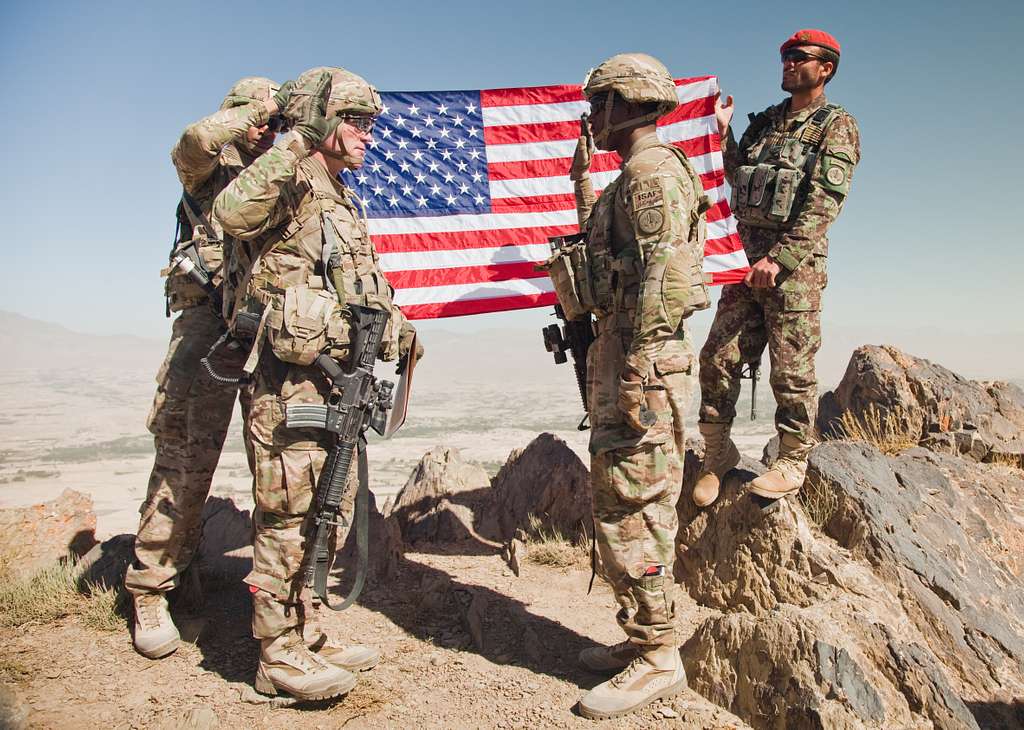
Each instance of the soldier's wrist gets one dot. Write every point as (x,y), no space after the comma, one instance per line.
(297,144)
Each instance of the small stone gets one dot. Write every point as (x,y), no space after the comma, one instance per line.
(437,660)
(667,712)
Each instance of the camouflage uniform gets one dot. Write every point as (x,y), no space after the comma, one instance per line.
(288,207)
(191,411)
(786,318)
(637,476)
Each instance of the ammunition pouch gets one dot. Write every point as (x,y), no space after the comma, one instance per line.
(181,290)
(764,195)
(303,323)
(569,269)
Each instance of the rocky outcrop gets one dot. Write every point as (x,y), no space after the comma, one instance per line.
(441,498)
(546,480)
(935,406)
(32,538)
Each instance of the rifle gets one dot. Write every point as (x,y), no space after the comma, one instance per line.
(753,373)
(357,401)
(574,337)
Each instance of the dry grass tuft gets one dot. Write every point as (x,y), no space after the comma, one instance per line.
(1014,461)
(546,545)
(819,500)
(54,593)
(886,430)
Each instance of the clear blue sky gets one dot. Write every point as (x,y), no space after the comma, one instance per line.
(97,93)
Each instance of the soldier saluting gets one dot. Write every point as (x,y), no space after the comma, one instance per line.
(790,174)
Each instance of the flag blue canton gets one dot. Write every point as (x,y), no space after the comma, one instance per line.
(427,157)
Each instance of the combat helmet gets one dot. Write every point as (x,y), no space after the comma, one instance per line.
(350,93)
(635,77)
(249,89)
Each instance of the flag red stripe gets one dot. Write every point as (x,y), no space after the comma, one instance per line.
(732,276)
(455,240)
(477,306)
(723,245)
(531,95)
(418,278)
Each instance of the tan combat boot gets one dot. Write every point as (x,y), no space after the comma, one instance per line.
(155,634)
(601,659)
(651,676)
(787,473)
(287,665)
(351,657)
(720,455)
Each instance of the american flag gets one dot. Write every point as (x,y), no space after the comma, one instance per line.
(463,188)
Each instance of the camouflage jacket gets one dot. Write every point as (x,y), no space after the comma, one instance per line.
(824,201)
(645,225)
(206,160)
(303,232)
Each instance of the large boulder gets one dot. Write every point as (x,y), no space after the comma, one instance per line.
(933,405)
(905,613)
(32,538)
(546,480)
(440,499)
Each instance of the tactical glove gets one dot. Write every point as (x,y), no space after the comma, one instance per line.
(306,109)
(405,339)
(283,95)
(584,152)
(633,405)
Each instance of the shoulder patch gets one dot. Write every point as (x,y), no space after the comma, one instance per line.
(648,194)
(650,220)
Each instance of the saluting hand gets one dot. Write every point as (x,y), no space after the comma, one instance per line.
(723,113)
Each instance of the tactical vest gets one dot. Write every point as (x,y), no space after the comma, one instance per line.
(613,271)
(769,191)
(305,271)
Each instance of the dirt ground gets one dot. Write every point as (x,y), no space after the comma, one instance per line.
(432,675)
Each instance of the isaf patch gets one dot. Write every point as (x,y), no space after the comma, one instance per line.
(648,203)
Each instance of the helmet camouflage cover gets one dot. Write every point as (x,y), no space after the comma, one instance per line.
(350,93)
(249,89)
(635,77)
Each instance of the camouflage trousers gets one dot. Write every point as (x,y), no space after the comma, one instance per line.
(288,463)
(636,481)
(189,421)
(786,319)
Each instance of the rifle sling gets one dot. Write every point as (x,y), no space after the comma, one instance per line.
(361,526)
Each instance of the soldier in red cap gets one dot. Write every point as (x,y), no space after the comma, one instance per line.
(790,174)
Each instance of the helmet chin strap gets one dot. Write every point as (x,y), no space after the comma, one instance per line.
(343,156)
(607,128)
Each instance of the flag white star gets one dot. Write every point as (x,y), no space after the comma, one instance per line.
(375,166)
(431,143)
(416,132)
(393,201)
(420,178)
(421,201)
(414,110)
(428,121)
(361,177)
(435,190)
(406,190)
(445,132)
(378,190)
(389,155)
(403,143)
(384,109)
(478,199)
(471,108)
(442,109)
(417,155)
(474,153)
(433,166)
(457,121)
(446,154)
(463,188)
(405,166)
(460,143)
(385,133)
(477,177)
(450,199)
(462,166)
(373,143)
(391,178)
(472,131)
(448,177)
(400,122)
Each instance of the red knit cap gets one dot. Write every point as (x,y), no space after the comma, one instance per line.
(811,37)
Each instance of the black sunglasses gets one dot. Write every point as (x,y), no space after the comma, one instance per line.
(798,56)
